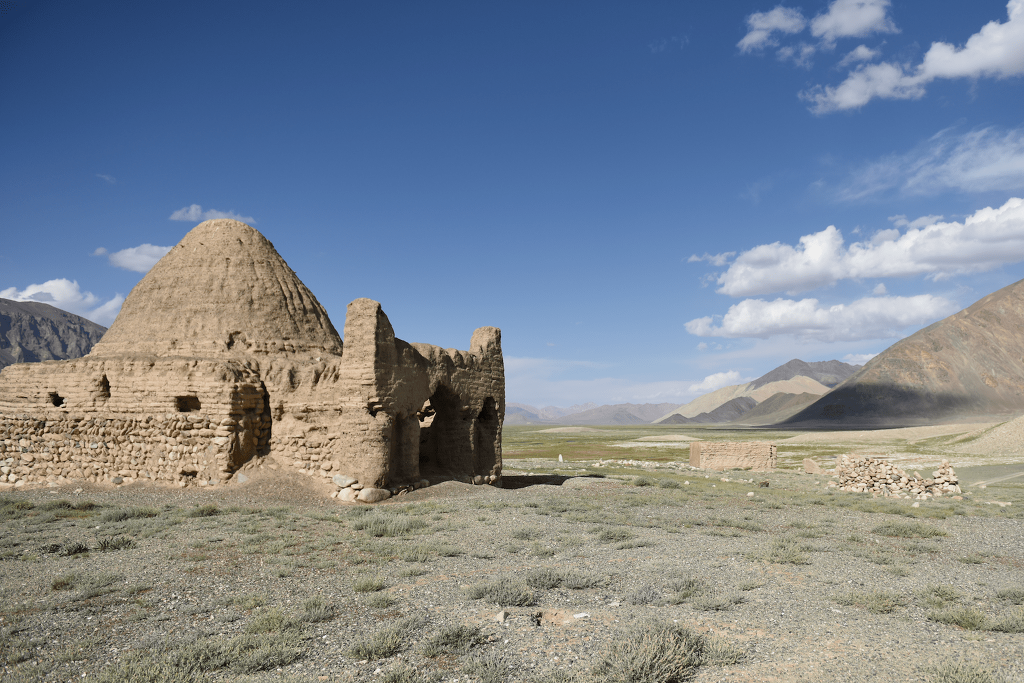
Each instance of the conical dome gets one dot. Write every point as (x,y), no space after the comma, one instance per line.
(223,291)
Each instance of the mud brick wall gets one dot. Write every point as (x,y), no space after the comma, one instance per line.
(724,455)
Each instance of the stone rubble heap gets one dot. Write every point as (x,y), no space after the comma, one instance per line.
(870,475)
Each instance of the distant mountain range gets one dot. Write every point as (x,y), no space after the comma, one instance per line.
(782,392)
(31,331)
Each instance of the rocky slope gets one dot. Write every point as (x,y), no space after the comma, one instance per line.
(31,332)
(968,366)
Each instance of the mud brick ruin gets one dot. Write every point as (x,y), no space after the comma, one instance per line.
(221,355)
(727,455)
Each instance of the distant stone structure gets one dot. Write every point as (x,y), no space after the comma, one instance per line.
(862,474)
(726,455)
(221,355)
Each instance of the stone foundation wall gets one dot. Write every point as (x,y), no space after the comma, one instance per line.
(724,455)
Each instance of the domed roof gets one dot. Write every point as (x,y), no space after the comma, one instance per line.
(223,291)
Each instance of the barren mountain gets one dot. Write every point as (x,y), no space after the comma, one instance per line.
(968,366)
(619,414)
(727,412)
(709,402)
(828,372)
(31,332)
(776,408)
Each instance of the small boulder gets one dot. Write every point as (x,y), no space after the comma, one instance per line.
(373,495)
(344,481)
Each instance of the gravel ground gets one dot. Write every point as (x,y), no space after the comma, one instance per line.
(801,584)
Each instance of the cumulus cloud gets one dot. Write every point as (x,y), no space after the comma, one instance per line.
(901,221)
(715,382)
(867,318)
(985,240)
(800,54)
(139,259)
(858,358)
(996,51)
(195,214)
(852,18)
(718,260)
(762,27)
(68,296)
(982,160)
(861,53)
(879,289)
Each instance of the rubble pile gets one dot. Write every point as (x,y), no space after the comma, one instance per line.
(870,475)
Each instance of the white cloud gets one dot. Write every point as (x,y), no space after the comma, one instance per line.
(983,160)
(861,53)
(852,18)
(762,27)
(901,221)
(109,178)
(139,259)
(996,51)
(718,260)
(879,289)
(867,318)
(195,213)
(985,240)
(858,358)
(100,251)
(68,296)
(716,381)
(800,54)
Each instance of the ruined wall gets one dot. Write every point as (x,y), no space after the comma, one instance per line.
(387,412)
(179,420)
(723,455)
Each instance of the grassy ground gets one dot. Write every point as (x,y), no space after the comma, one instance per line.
(579,573)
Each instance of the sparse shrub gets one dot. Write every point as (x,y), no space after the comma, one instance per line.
(644,595)
(973,558)
(368,584)
(782,551)
(662,653)
(968,618)
(64,582)
(72,548)
(488,668)
(247,602)
(644,481)
(962,672)
(380,601)
(97,585)
(937,597)
(716,602)
(316,610)
(504,592)
(669,484)
(749,585)
(130,513)
(538,550)
(452,640)
(544,579)
(684,589)
(526,534)
(388,524)
(877,602)
(1011,623)
(405,674)
(1014,595)
(615,535)
(626,545)
(580,581)
(208,510)
(388,641)
(908,530)
(115,543)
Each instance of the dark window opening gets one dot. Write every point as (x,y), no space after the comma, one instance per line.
(103,388)
(56,399)
(187,404)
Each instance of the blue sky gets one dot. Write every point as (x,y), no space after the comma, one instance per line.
(651,199)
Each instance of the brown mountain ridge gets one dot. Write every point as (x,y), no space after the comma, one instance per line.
(967,366)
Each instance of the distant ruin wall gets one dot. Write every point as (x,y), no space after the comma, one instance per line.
(724,455)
